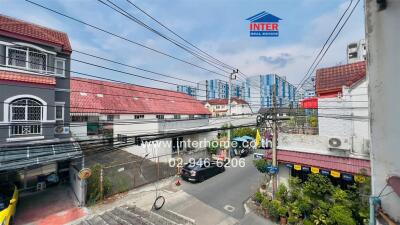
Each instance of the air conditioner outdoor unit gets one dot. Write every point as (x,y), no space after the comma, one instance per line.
(61,130)
(339,143)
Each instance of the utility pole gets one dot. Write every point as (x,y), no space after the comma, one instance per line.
(231,77)
(274,141)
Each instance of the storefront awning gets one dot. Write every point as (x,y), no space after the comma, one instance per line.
(24,156)
(343,164)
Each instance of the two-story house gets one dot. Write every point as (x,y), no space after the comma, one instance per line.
(220,107)
(336,142)
(34,104)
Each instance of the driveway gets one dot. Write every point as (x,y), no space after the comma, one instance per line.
(55,205)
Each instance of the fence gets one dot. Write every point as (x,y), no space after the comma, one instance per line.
(123,177)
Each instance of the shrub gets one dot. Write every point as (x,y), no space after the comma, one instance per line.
(317,186)
(293,220)
(265,204)
(273,208)
(93,186)
(307,222)
(259,197)
(341,215)
(261,165)
(283,211)
(213,147)
(282,193)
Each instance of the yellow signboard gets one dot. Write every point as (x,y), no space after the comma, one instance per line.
(314,170)
(335,174)
(359,178)
(297,167)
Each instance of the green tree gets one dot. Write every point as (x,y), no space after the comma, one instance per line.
(261,165)
(318,186)
(244,131)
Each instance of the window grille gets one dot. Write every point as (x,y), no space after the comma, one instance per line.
(17,57)
(22,129)
(27,58)
(26,110)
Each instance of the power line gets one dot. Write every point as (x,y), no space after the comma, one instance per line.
(123,38)
(179,36)
(330,44)
(118,9)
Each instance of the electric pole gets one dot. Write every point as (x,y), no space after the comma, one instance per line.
(274,141)
(231,77)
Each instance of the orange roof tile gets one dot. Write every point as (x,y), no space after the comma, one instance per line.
(26,78)
(35,33)
(332,79)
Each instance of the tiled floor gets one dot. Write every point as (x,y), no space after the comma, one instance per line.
(55,205)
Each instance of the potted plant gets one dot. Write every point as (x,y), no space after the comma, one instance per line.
(273,208)
(292,219)
(258,198)
(283,211)
(265,205)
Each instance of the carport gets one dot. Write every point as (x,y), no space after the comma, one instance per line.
(46,176)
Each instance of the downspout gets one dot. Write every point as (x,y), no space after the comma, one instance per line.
(374,203)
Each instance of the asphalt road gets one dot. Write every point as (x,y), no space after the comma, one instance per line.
(227,191)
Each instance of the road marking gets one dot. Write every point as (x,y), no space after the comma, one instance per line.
(229,208)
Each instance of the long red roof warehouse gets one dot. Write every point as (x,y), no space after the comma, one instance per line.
(95,96)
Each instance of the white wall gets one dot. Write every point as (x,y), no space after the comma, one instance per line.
(347,116)
(383,35)
(315,144)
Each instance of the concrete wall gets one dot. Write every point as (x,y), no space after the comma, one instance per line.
(383,35)
(347,116)
(318,144)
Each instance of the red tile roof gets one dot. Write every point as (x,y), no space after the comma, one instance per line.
(224,101)
(32,32)
(343,164)
(330,80)
(120,98)
(26,78)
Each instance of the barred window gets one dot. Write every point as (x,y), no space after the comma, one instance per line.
(26,110)
(27,58)
(139,117)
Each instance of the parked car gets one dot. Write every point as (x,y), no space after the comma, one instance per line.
(8,203)
(201,170)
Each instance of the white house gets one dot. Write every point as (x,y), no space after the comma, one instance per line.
(340,148)
(219,107)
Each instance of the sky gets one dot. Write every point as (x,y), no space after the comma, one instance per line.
(218,27)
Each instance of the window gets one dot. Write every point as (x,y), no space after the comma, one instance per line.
(191,116)
(138,117)
(27,58)
(59,110)
(24,110)
(112,117)
(177,116)
(60,67)
(160,117)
